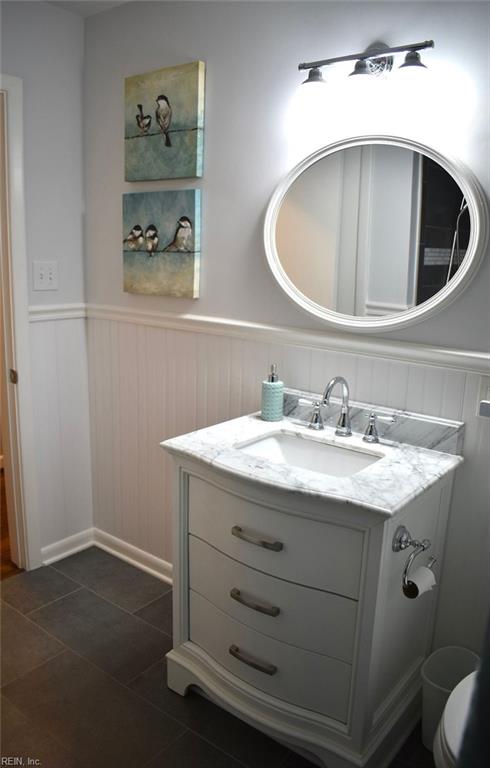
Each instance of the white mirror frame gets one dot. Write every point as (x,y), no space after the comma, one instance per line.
(479,218)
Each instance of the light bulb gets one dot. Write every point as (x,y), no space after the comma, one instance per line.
(306,119)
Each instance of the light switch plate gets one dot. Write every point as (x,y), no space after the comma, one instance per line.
(45,275)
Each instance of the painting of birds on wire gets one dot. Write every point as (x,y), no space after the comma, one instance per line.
(164,123)
(161,243)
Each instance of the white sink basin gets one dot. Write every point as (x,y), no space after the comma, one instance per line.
(307,453)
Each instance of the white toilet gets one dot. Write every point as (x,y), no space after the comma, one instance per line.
(449,734)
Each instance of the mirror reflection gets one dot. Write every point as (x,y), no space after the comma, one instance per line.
(372,230)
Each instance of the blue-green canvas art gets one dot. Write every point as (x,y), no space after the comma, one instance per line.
(161,243)
(164,123)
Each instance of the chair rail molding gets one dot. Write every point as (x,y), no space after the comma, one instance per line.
(41,313)
(424,354)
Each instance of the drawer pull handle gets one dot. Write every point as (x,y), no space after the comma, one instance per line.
(267,669)
(269,610)
(275,546)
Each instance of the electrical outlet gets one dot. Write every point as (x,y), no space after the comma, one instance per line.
(45,275)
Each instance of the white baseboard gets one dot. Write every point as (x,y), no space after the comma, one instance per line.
(111,544)
(131,554)
(68,546)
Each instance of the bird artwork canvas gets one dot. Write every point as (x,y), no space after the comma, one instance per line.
(161,243)
(164,123)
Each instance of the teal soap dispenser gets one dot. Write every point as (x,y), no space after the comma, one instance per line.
(272,397)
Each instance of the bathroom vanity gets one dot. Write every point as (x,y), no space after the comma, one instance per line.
(288,602)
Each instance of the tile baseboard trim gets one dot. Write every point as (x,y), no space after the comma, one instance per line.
(357,344)
(91,537)
(69,546)
(155,566)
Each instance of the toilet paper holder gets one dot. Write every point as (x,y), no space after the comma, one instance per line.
(401,541)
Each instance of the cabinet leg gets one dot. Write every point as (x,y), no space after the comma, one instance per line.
(178,678)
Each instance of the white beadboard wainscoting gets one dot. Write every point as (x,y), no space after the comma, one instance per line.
(61,422)
(153,376)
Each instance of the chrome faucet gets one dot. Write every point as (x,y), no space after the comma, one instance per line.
(343,425)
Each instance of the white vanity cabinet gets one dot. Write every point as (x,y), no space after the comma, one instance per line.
(289,612)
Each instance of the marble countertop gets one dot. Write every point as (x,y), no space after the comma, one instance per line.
(393,425)
(401,474)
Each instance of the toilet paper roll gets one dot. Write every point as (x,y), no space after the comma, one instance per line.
(423,579)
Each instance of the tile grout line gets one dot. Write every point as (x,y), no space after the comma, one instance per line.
(125,610)
(67,649)
(154,600)
(164,749)
(149,624)
(32,722)
(116,605)
(189,728)
(32,669)
(83,658)
(45,605)
(202,738)
(101,597)
(158,661)
(106,674)
(220,749)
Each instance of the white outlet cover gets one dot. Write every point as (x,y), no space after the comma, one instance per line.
(45,275)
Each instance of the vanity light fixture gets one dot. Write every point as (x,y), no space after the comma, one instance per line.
(412,59)
(361,68)
(314,76)
(374,60)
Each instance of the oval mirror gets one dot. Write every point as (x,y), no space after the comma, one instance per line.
(375,232)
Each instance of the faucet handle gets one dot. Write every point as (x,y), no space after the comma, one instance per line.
(343,425)
(316,421)
(371,433)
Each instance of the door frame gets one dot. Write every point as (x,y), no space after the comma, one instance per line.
(20,450)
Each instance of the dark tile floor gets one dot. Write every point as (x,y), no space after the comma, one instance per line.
(83,678)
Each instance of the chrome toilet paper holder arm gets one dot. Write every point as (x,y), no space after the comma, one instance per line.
(401,541)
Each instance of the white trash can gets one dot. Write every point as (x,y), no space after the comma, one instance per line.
(441,672)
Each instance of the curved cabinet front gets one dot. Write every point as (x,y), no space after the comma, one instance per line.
(312,553)
(305,679)
(307,618)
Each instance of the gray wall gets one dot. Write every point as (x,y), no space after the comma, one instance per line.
(251,51)
(44,46)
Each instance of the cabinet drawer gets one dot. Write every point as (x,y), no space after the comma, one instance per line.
(308,618)
(305,679)
(307,552)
